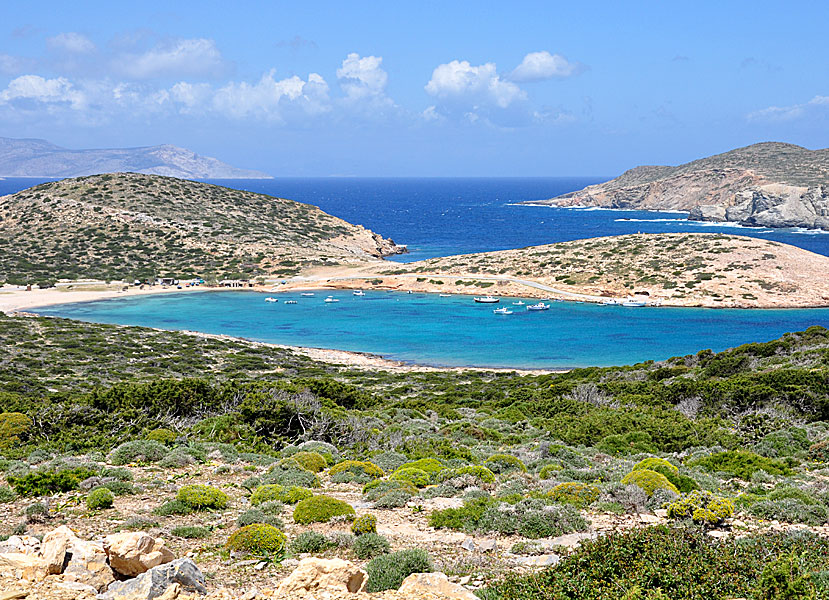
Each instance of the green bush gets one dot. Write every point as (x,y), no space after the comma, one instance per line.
(649,481)
(504,463)
(652,463)
(790,510)
(683,483)
(576,493)
(119,473)
(162,436)
(784,579)
(310,461)
(633,442)
(393,499)
(46,482)
(274,492)
(202,497)
(309,542)
(13,426)
(100,497)
(7,494)
(146,451)
(173,507)
(256,515)
(741,463)
(549,471)
(321,509)
(369,545)
(366,523)
(291,473)
(259,539)
(417,477)
(374,489)
(482,474)
(431,465)
(820,451)
(191,532)
(702,507)
(387,572)
(357,467)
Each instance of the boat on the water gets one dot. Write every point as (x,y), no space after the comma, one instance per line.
(307,294)
(519,303)
(290,301)
(444,295)
(358,293)
(539,306)
(634,303)
(502,311)
(269,299)
(610,302)
(332,299)
(487,299)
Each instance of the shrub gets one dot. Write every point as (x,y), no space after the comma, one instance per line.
(364,524)
(369,545)
(389,461)
(259,539)
(576,493)
(820,451)
(119,488)
(291,474)
(202,497)
(309,542)
(504,463)
(393,499)
(191,532)
(784,579)
(652,463)
(741,463)
(649,481)
(162,436)
(790,510)
(683,483)
(119,473)
(273,492)
(7,494)
(431,465)
(482,474)
(387,572)
(628,443)
(374,489)
(100,497)
(138,451)
(321,509)
(549,471)
(45,482)
(255,515)
(13,425)
(310,461)
(329,451)
(417,477)
(36,513)
(172,507)
(703,508)
(357,467)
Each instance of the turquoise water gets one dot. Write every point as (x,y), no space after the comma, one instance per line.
(428,329)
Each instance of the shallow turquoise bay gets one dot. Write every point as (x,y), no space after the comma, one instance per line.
(428,329)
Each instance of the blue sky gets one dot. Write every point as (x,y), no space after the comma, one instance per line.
(418,88)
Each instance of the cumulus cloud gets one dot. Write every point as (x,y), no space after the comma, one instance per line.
(272,99)
(459,81)
(190,57)
(789,113)
(362,77)
(33,90)
(538,66)
(72,42)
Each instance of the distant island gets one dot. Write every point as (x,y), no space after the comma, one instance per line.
(763,185)
(40,158)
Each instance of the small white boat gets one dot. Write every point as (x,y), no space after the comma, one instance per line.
(610,302)
(487,299)
(444,295)
(331,299)
(502,311)
(634,303)
(307,294)
(519,303)
(269,299)
(358,293)
(539,306)
(290,301)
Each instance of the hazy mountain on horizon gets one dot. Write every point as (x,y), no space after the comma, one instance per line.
(40,158)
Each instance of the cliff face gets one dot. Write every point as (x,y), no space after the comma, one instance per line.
(768,185)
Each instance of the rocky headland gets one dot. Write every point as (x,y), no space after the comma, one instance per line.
(763,185)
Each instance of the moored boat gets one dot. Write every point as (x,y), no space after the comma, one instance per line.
(269,299)
(307,294)
(539,306)
(358,293)
(331,299)
(502,311)
(290,301)
(487,299)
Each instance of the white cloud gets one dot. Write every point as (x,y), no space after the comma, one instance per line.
(191,57)
(538,66)
(73,42)
(272,99)
(460,82)
(34,88)
(11,65)
(789,113)
(362,77)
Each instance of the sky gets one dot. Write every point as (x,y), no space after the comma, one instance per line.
(446,88)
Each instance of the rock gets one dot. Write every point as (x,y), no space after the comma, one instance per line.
(77,587)
(468,544)
(545,560)
(330,575)
(90,482)
(179,575)
(646,518)
(22,544)
(571,540)
(707,212)
(661,512)
(487,545)
(135,552)
(55,545)
(22,566)
(418,584)
(88,564)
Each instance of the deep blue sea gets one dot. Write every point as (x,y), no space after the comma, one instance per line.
(454,331)
(438,217)
(443,216)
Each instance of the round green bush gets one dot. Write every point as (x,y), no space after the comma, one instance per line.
(819,452)
(259,539)
(290,473)
(357,467)
(255,515)
(13,425)
(549,471)
(100,497)
(431,465)
(574,492)
(202,497)
(274,492)
(148,451)
(321,509)
(311,461)
(683,483)
(308,542)
(654,461)
(163,436)
(387,572)
(191,532)
(365,524)
(370,545)
(504,463)
(649,481)
(484,475)
(702,507)
(417,477)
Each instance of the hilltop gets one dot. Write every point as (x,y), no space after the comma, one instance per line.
(40,158)
(769,185)
(128,225)
(677,269)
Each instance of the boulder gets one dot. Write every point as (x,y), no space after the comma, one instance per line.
(327,575)
(55,545)
(164,581)
(22,544)
(22,566)
(135,552)
(88,564)
(418,584)
(707,212)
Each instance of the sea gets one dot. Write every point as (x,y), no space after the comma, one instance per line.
(445,216)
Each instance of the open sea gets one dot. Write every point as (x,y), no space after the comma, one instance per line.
(443,216)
